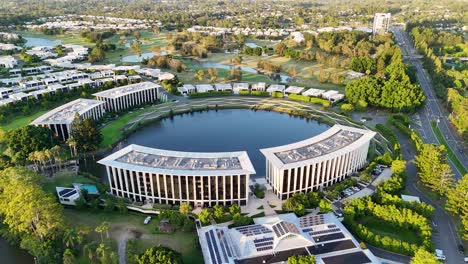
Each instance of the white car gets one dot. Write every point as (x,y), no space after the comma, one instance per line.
(147,220)
(440,254)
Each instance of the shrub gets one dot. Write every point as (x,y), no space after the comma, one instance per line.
(323,102)
(347,107)
(298,97)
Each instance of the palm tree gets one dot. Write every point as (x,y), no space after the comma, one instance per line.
(33,158)
(69,237)
(56,152)
(104,227)
(71,142)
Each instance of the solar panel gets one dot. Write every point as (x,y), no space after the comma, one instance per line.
(215,247)
(263,244)
(223,245)
(210,248)
(259,240)
(264,248)
(328,237)
(70,193)
(332,230)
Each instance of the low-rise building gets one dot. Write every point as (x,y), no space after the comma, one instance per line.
(221,87)
(162,176)
(273,239)
(186,89)
(8,62)
(120,98)
(59,120)
(273,88)
(317,162)
(237,87)
(204,88)
(293,90)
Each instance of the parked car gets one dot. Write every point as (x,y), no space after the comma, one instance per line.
(440,254)
(147,220)
(461,249)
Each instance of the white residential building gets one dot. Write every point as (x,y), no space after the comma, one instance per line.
(204,88)
(381,23)
(237,87)
(8,62)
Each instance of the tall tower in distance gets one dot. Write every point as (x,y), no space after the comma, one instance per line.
(381,23)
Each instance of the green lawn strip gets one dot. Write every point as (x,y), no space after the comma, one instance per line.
(112,131)
(384,229)
(450,153)
(63,180)
(22,121)
(261,214)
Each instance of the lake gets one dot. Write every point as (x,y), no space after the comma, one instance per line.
(146,55)
(283,78)
(41,42)
(221,131)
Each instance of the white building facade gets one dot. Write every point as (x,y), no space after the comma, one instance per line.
(381,23)
(120,98)
(317,162)
(59,120)
(171,177)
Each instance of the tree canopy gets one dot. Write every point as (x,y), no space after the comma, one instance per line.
(23,141)
(159,255)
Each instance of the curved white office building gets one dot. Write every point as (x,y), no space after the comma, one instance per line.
(316,162)
(163,176)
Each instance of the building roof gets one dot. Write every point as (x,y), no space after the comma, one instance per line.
(313,92)
(336,139)
(294,90)
(126,90)
(272,239)
(139,158)
(66,113)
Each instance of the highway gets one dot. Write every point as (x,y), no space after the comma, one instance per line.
(433,109)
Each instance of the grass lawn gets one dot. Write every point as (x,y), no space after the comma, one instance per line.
(450,153)
(383,229)
(112,131)
(22,121)
(64,179)
(185,243)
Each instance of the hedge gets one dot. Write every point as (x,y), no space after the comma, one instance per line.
(321,101)
(210,94)
(298,97)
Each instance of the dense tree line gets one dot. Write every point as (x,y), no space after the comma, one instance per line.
(167,62)
(393,91)
(449,82)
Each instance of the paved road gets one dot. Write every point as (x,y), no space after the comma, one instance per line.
(445,236)
(433,109)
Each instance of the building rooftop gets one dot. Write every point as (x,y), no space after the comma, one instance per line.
(146,159)
(272,239)
(66,112)
(294,90)
(127,89)
(335,139)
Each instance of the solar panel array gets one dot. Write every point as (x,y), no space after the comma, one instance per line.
(253,230)
(262,244)
(224,246)
(283,228)
(212,247)
(326,231)
(328,237)
(311,220)
(265,248)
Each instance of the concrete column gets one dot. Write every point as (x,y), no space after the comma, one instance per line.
(239,196)
(194,188)
(217,190)
(165,188)
(172,186)
(202,189)
(127,189)
(152,186)
(232,187)
(132,182)
(121,182)
(209,190)
(109,178)
(180,189)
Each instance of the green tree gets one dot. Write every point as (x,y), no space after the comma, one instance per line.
(218,211)
(103,227)
(159,255)
(433,169)
(135,46)
(204,216)
(185,208)
(301,260)
(23,141)
(325,206)
(68,257)
(347,107)
(86,134)
(97,54)
(39,223)
(424,257)
(234,209)
(106,255)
